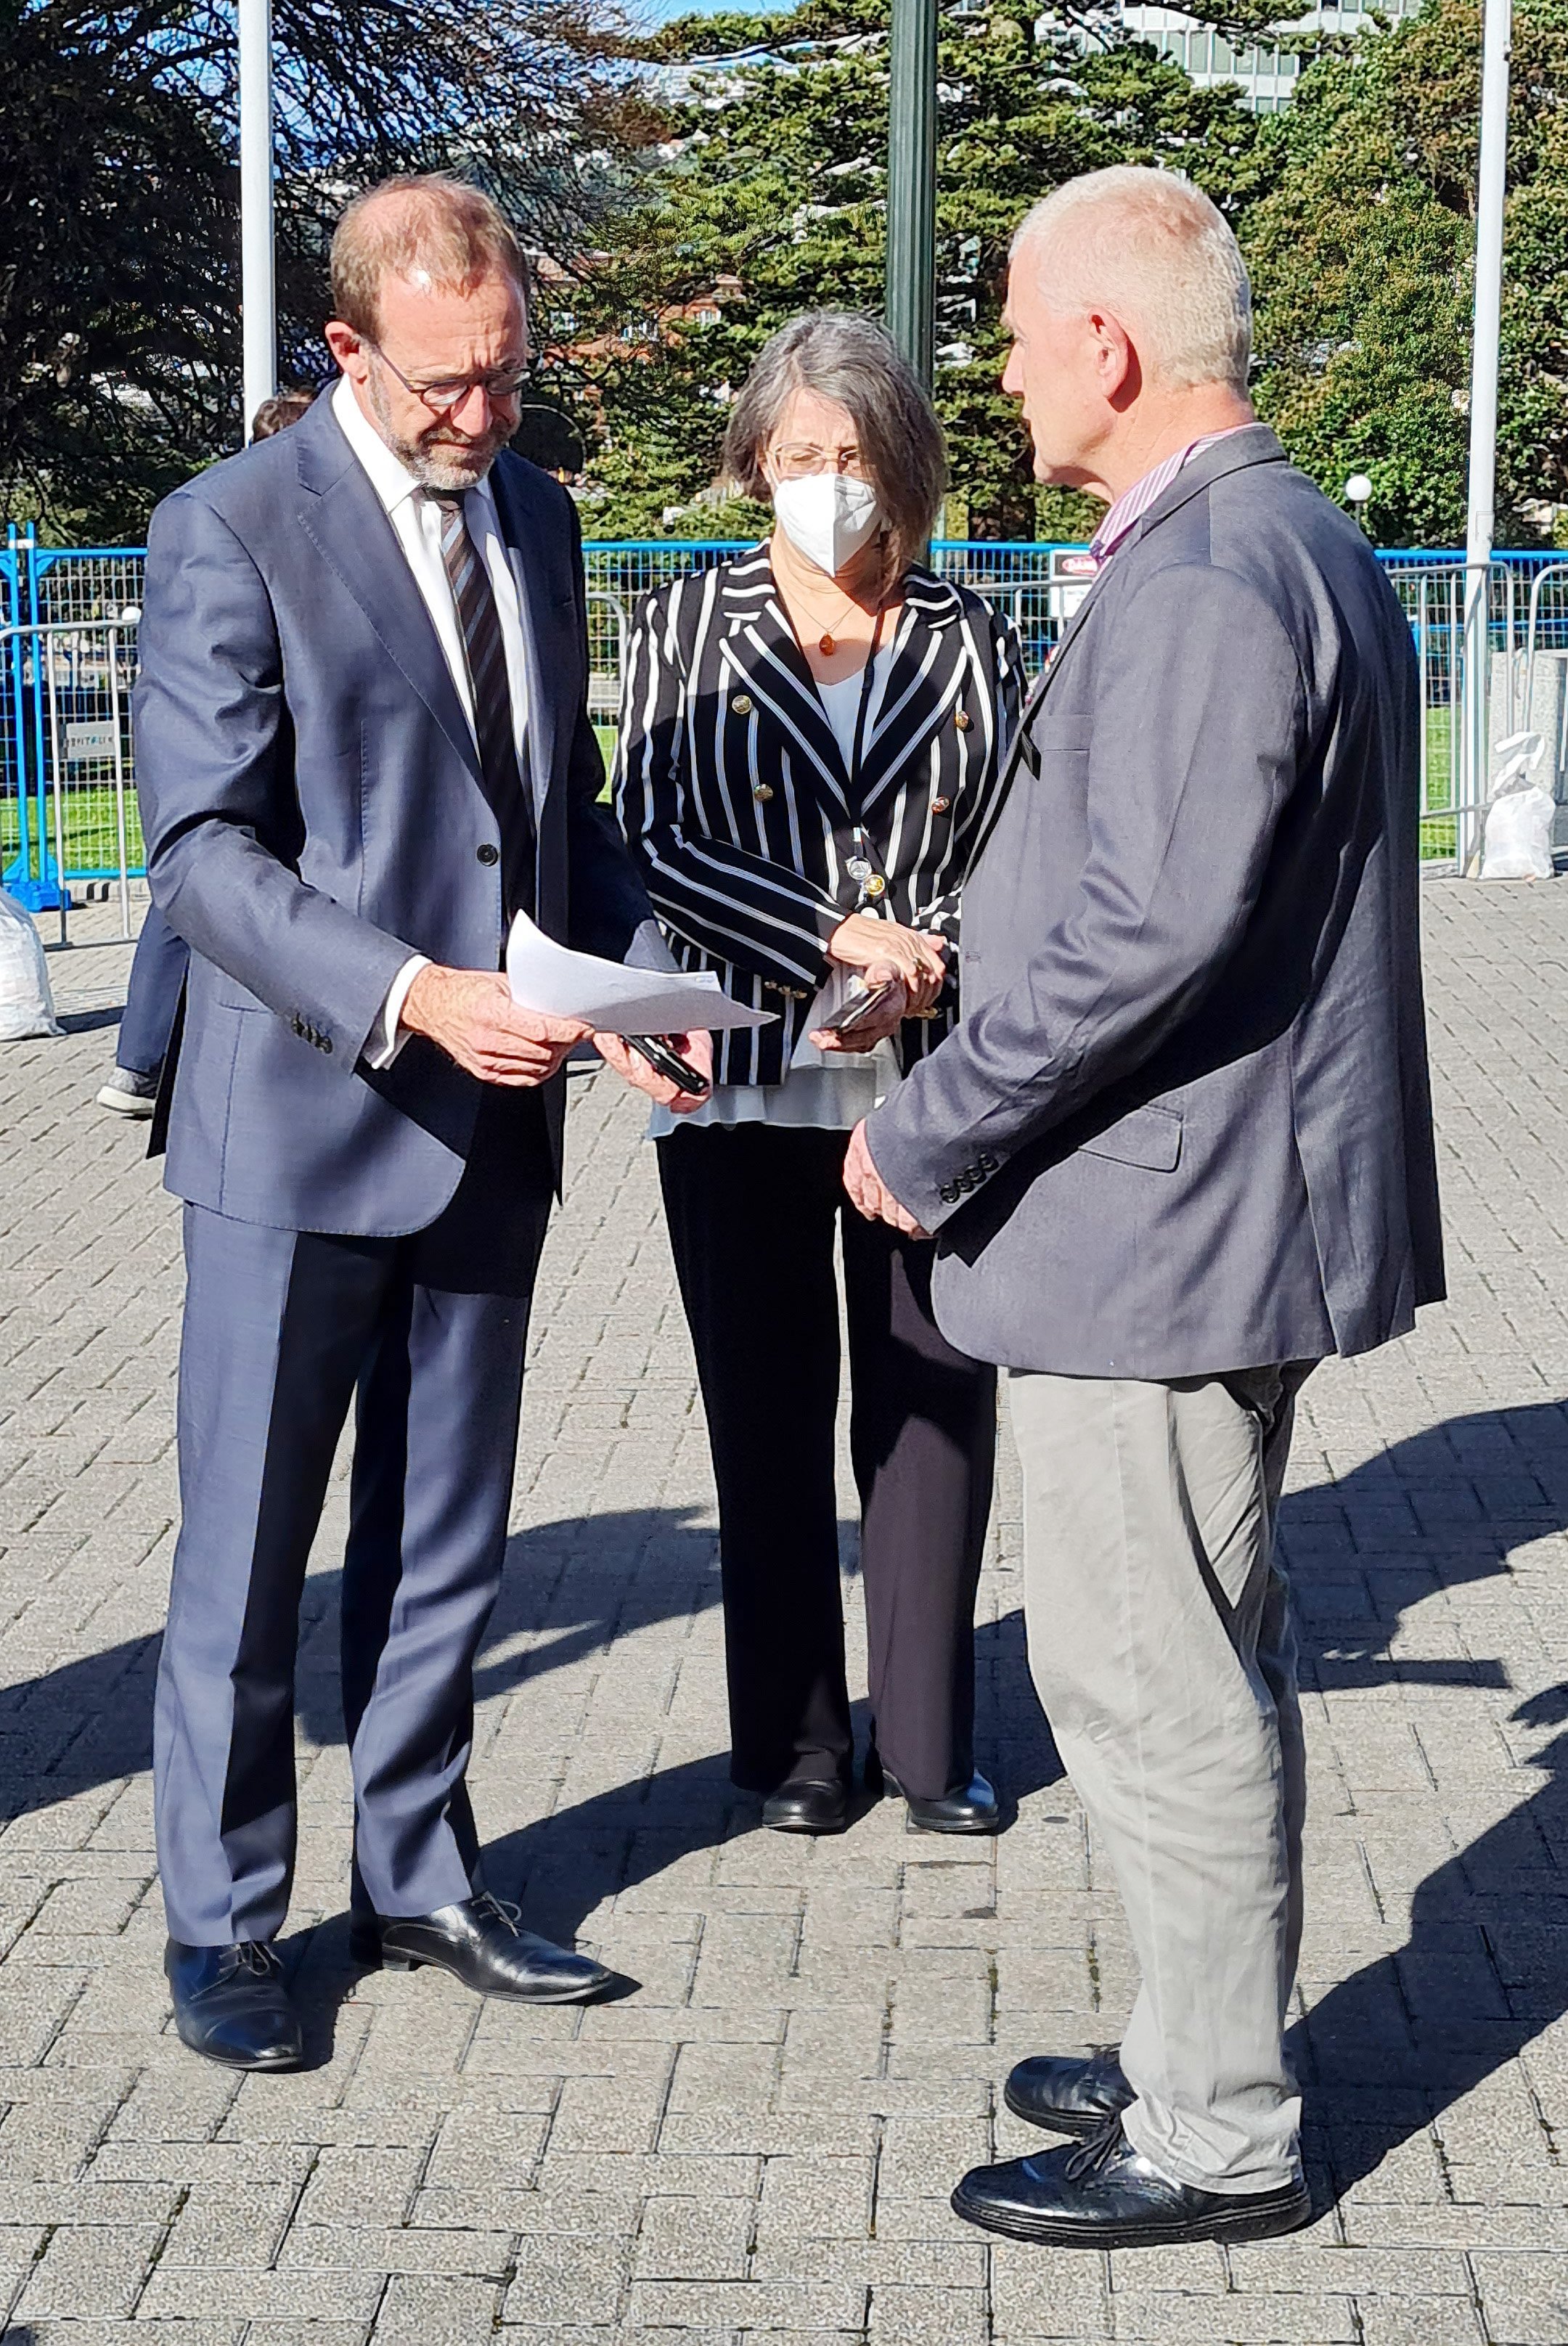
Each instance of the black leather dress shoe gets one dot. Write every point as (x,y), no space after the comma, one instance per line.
(968,1808)
(1104,2195)
(1070,2097)
(231,2004)
(801,1806)
(480,1942)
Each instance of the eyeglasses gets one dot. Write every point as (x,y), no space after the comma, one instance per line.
(443,396)
(800,459)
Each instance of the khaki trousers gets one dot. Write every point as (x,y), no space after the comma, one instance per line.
(1161,1645)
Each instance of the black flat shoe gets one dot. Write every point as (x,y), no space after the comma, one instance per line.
(479,1942)
(1103,2195)
(804,1807)
(231,2004)
(968,1808)
(1070,2097)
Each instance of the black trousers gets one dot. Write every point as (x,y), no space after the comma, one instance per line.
(752,1214)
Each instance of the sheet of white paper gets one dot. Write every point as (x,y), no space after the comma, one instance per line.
(614,999)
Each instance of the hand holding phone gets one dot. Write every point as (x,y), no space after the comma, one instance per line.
(667,1062)
(863,1009)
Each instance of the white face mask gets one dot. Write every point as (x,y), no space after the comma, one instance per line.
(827,515)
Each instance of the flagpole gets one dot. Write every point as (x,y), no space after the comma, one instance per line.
(258,298)
(1483,493)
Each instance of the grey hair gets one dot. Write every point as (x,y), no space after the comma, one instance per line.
(843,356)
(1152,248)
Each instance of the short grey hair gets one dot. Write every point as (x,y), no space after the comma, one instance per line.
(1151,249)
(843,356)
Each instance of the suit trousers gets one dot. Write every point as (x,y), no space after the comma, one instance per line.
(1161,1645)
(753,1213)
(282,1327)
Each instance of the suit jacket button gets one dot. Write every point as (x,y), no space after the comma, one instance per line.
(963,721)
(326,1043)
(742,704)
(762,792)
(950,1193)
(489,854)
(940,806)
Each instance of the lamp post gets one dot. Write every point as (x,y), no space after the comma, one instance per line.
(1481,502)
(911,301)
(258,298)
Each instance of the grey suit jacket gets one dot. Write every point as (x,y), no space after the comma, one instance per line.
(312,801)
(1185,1125)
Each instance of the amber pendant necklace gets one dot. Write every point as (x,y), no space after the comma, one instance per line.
(828,642)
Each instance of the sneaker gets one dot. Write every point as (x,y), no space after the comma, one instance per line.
(129,1093)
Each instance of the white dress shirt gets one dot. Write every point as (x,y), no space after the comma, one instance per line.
(416,518)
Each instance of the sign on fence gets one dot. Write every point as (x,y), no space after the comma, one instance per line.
(1072,573)
(86,743)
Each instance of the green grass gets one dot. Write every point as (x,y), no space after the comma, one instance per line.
(1439,834)
(92,834)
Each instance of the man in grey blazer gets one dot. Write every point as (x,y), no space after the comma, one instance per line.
(363,746)
(1178,1151)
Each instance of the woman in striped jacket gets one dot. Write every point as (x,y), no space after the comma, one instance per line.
(811,738)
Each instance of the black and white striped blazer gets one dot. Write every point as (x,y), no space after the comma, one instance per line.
(736,803)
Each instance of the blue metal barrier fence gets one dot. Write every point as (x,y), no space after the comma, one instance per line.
(68,618)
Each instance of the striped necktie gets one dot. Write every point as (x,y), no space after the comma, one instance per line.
(486,655)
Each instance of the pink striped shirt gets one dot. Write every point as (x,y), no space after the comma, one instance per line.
(1134,503)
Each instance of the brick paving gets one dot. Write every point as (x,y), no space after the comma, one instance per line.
(759,2144)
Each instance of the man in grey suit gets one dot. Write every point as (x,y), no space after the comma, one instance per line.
(1178,1150)
(363,746)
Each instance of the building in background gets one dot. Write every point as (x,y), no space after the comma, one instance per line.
(1266,71)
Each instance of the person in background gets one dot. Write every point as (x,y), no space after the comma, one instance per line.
(1178,1150)
(161,959)
(276,414)
(811,736)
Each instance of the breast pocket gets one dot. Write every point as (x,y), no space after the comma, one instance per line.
(1064,736)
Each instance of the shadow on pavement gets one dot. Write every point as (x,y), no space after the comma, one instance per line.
(1482,1972)
(1485,1966)
(90,1723)
(1484,1969)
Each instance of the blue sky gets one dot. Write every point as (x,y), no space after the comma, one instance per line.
(659,12)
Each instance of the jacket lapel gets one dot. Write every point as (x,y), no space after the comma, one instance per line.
(1037,691)
(543,622)
(923,681)
(760,657)
(348,525)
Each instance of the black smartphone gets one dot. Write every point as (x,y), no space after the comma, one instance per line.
(864,1006)
(667,1062)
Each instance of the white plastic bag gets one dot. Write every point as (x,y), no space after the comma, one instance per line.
(26,1005)
(1517,841)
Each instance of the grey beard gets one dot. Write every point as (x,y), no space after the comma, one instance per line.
(441,468)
